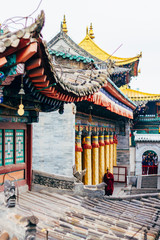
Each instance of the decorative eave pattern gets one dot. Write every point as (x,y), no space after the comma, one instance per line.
(71,56)
(146,137)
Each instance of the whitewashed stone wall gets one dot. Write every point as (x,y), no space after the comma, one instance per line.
(123,147)
(132,160)
(54,142)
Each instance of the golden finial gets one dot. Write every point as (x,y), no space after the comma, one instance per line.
(91,33)
(86,30)
(64,25)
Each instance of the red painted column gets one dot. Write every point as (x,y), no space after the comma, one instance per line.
(29,156)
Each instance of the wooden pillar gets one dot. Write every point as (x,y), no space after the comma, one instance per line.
(101,157)
(95,160)
(106,150)
(111,152)
(115,150)
(78,152)
(87,159)
(29,156)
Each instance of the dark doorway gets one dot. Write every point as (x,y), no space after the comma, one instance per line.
(149,162)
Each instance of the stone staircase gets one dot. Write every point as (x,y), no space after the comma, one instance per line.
(149,181)
(144,184)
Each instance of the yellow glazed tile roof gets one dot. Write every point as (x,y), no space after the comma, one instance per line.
(135,95)
(90,46)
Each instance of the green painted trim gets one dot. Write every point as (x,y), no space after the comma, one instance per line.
(71,56)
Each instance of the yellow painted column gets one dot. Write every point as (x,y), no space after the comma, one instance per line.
(101,157)
(87,159)
(78,152)
(111,152)
(115,150)
(95,160)
(106,148)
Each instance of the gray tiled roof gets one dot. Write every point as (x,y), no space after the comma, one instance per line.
(75,217)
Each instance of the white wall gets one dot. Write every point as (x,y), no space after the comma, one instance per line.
(132,160)
(54,142)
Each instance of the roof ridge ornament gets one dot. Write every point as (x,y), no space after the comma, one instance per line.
(64,25)
(87,30)
(110,66)
(91,33)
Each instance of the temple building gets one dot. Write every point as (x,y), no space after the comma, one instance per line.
(92,48)
(97,126)
(30,83)
(145,133)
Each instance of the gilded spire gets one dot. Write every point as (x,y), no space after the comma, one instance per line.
(86,30)
(91,33)
(64,25)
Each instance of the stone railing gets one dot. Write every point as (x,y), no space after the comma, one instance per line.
(64,184)
(54,181)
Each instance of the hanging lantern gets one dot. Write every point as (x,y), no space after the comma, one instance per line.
(21,93)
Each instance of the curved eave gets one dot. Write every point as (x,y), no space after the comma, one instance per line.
(90,46)
(118,94)
(135,95)
(25,47)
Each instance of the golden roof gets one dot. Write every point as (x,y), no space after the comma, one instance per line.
(90,46)
(135,95)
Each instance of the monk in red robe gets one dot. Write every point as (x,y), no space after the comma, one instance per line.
(109,180)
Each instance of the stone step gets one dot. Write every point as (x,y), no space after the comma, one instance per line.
(143,190)
(149,182)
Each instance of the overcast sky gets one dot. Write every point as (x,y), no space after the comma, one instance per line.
(135,24)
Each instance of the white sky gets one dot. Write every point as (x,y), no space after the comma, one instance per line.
(135,24)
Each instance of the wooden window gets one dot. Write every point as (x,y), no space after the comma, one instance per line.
(19,146)
(9,147)
(12,144)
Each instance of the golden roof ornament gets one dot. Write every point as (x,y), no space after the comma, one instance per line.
(91,33)
(64,25)
(86,30)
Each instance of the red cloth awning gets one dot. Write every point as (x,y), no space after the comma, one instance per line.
(101,99)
